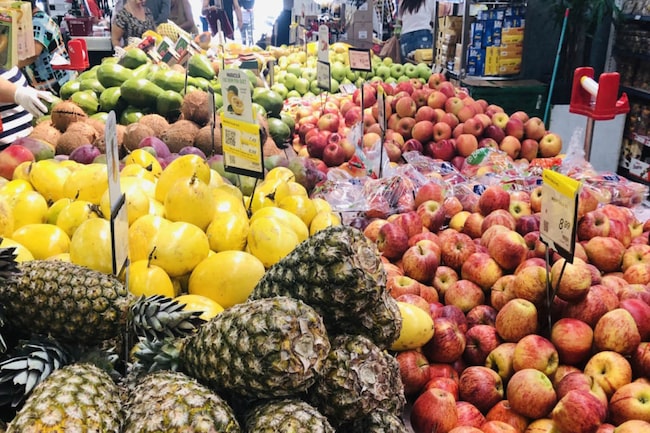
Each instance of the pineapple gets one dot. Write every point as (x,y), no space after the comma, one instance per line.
(28,365)
(338,271)
(172,402)
(75,398)
(358,378)
(266,348)
(76,304)
(378,421)
(286,416)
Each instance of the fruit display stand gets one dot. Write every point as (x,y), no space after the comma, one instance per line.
(388,273)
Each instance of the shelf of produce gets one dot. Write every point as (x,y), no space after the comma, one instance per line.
(639,138)
(636,92)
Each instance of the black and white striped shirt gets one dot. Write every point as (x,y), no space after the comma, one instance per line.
(16,121)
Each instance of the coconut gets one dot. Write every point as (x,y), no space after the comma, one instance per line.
(203,140)
(86,129)
(156,122)
(66,112)
(196,108)
(180,134)
(134,133)
(69,141)
(47,132)
(97,124)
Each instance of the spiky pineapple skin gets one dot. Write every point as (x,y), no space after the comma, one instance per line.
(358,378)
(75,398)
(378,421)
(338,271)
(286,416)
(172,402)
(265,348)
(65,300)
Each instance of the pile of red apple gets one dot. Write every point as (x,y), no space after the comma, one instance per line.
(504,357)
(437,118)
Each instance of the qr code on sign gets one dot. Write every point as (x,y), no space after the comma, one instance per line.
(546,226)
(231,137)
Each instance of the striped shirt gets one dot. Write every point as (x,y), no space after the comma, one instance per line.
(16,121)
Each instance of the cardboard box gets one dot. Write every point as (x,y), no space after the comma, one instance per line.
(364,13)
(476,32)
(447,38)
(457,63)
(450,23)
(512,35)
(491,60)
(360,32)
(509,66)
(513,22)
(510,53)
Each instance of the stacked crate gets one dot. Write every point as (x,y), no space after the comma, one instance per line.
(496,42)
(360,25)
(449,32)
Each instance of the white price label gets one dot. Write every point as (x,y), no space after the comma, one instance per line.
(323,76)
(559,212)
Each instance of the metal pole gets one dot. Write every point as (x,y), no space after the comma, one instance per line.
(555,66)
(589,136)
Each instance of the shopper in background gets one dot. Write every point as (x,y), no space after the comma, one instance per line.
(247,21)
(131,22)
(181,15)
(416,16)
(229,6)
(48,47)
(160,9)
(19,104)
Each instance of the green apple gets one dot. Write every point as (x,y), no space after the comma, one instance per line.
(397,70)
(293,94)
(295,69)
(383,72)
(387,61)
(309,95)
(283,62)
(351,75)
(410,71)
(280,89)
(359,82)
(346,80)
(309,73)
(423,70)
(302,85)
(402,78)
(290,80)
(391,80)
(334,86)
(338,71)
(376,78)
(314,88)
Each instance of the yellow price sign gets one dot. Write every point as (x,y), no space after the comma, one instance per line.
(242,148)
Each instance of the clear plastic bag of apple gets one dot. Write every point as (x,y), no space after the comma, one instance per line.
(344,194)
(436,169)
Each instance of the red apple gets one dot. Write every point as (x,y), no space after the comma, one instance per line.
(447,343)
(481,340)
(579,381)
(398,285)
(516,319)
(436,99)
(500,119)
(511,145)
(573,340)
(456,249)
(494,197)
(599,300)
(631,401)
(414,370)
(579,412)
(469,415)
(534,128)
(465,295)
(575,281)
(610,370)
(334,155)
(633,426)
(466,144)
(515,128)
(500,360)
(421,261)
(531,393)
(550,145)
(405,107)
(616,330)
(498,427)
(432,215)
(641,360)
(447,383)
(535,351)
(481,315)
(481,269)
(640,311)
(481,387)
(508,249)
(529,149)
(392,240)
(434,410)
(444,278)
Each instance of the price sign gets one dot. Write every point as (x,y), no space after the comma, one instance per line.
(323,76)
(359,60)
(559,212)
(236,94)
(324,44)
(118,221)
(242,148)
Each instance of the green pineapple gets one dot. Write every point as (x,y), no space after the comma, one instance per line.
(76,304)
(267,348)
(286,416)
(172,402)
(75,398)
(358,378)
(378,421)
(338,271)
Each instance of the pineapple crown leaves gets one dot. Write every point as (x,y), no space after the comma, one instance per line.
(29,363)
(157,317)
(8,264)
(156,355)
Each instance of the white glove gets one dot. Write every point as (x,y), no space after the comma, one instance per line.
(30,99)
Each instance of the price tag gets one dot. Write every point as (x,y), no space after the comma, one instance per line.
(323,76)
(359,60)
(242,148)
(559,212)
(118,221)
(381,108)
(236,93)
(324,44)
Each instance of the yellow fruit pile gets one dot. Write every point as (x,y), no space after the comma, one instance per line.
(190,233)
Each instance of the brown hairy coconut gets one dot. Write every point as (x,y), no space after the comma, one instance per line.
(98,125)
(86,129)
(69,141)
(156,122)
(47,132)
(66,112)
(180,134)
(196,108)
(203,140)
(100,142)
(134,134)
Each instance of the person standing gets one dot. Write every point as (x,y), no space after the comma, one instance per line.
(131,22)
(229,6)
(181,15)
(160,10)
(49,46)
(416,16)
(19,104)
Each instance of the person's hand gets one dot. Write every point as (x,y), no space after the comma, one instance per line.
(30,99)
